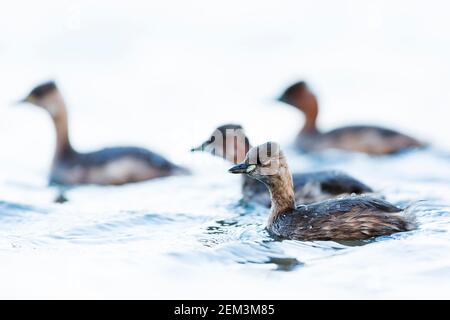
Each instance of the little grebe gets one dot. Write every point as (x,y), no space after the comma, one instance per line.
(231,143)
(366,139)
(110,166)
(348,218)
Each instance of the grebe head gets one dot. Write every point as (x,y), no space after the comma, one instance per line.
(46,96)
(300,96)
(228,141)
(263,162)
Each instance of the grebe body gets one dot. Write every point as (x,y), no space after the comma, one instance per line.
(347,218)
(110,166)
(231,143)
(373,140)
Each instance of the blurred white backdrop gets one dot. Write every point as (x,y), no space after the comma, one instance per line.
(164,73)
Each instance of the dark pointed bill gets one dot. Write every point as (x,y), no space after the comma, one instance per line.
(199,148)
(21,101)
(281,98)
(242,168)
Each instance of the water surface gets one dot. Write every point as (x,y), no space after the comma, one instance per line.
(149,75)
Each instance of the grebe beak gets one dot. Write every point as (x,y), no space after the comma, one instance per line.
(21,101)
(242,168)
(282,98)
(199,148)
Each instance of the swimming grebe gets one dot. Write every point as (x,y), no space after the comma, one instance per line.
(110,166)
(231,143)
(367,139)
(350,218)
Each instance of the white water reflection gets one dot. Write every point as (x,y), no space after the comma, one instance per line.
(164,74)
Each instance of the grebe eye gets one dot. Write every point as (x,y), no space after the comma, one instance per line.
(259,162)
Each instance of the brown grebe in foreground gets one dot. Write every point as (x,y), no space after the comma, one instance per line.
(110,166)
(350,218)
(367,139)
(231,143)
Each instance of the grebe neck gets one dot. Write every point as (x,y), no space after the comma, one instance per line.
(281,193)
(60,121)
(310,127)
(309,105)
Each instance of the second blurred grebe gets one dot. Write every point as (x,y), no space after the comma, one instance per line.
(110,166)
(231,143)
(348,218)
(367,139)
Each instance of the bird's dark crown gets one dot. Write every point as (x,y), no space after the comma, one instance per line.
(223,128)
(291,91)
(43,89)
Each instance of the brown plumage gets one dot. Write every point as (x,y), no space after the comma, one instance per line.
(230,142)
(366,139)
(110,166)
(348,218)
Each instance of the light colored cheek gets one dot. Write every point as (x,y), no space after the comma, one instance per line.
(250,168)
(216,151)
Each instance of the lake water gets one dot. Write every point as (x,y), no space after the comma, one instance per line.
(161,78)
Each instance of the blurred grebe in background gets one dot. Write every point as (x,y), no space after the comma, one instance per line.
(231,143)
(367,139)
(110,166)
(348,218)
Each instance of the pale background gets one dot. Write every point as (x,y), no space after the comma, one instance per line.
(163,74)
(180,68)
